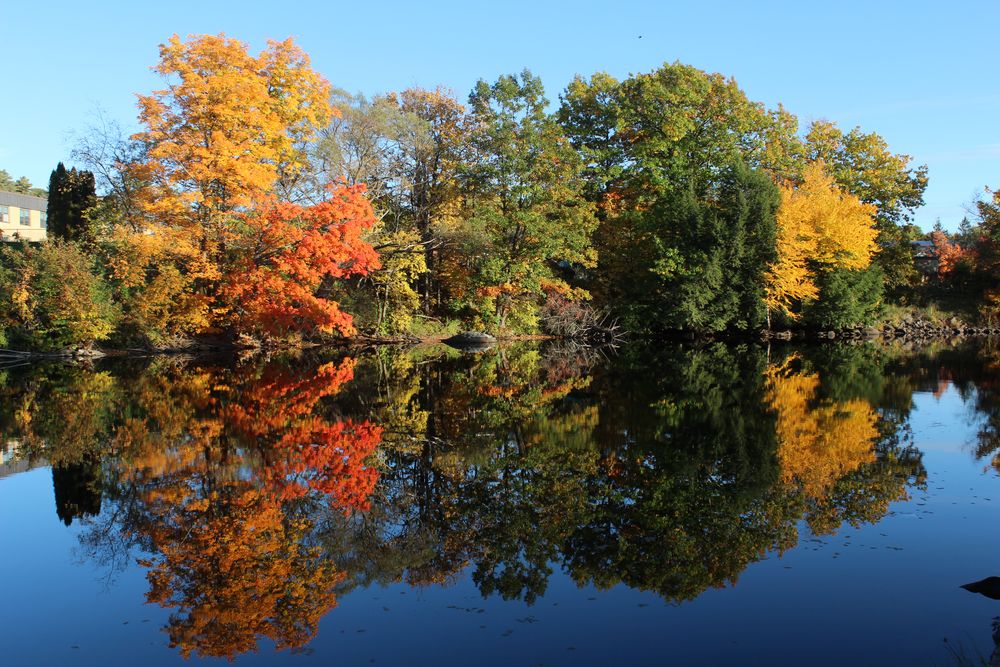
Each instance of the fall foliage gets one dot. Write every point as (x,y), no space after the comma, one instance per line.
(259,205)
(819,441)
(223,472)
(820,227)
(227,128)
(285,254)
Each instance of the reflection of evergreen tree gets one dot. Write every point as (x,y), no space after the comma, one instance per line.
(77,488)
(986,397)
(685,496)
(659,470)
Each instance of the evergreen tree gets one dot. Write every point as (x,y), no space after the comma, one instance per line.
(21,185)
(710,253)
(71,194)
(847,297)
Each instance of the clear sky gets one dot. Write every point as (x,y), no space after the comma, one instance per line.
(922,74)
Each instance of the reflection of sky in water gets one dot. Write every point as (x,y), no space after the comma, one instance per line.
(882,594)
(945,422)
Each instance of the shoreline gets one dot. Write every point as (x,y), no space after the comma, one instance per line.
(916,331)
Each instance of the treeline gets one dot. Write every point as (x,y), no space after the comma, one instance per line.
(667,201)
(20,185)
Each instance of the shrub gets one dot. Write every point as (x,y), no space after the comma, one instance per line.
(51,297)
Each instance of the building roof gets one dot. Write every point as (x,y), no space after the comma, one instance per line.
(23,201)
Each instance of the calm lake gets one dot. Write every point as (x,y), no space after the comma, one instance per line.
(533,504)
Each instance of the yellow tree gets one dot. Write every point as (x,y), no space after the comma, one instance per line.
(819,227)
(227,126)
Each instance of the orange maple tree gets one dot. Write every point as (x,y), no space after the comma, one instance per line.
(285,255)
(228,132)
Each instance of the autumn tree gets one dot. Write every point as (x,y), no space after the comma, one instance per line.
(228,127)
(862,164)
(988,253)
(158,278)
(404,147)
(213,249)
(52,296)
(432,159)
(821,229)
(524,193)
(948,253)
(284,256)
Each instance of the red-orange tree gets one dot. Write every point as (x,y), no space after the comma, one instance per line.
(285,254)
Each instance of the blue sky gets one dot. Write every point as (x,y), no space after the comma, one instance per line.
(922,74)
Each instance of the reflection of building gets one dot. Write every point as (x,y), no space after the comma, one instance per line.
(11,463)
(22,217)
(8,451)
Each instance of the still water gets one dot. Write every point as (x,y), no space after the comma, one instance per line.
(528,505)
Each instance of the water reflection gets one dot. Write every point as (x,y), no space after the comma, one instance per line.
(255,494)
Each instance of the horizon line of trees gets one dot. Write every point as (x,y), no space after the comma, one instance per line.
(668,200)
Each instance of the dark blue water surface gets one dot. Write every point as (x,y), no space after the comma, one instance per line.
(529,505)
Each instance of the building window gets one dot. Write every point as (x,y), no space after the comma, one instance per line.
(25,217)
(43,217)
(4,214)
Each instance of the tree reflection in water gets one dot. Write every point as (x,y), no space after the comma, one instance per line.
(256,493)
